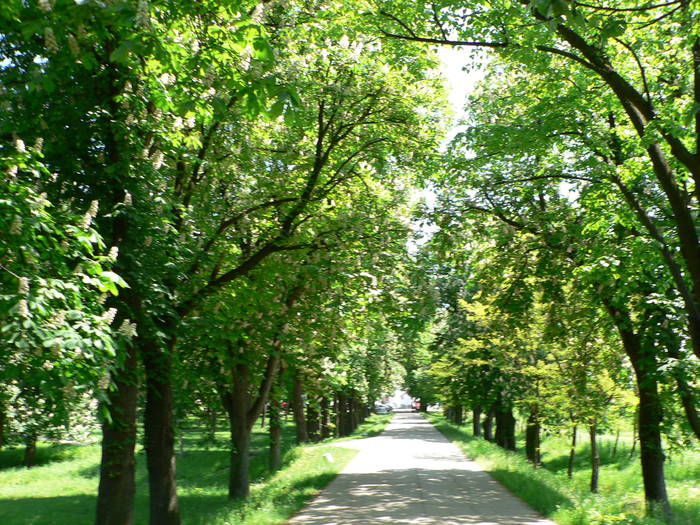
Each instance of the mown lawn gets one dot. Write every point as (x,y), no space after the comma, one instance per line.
(61,489)
(620,500)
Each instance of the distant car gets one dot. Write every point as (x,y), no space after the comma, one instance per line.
(381,408)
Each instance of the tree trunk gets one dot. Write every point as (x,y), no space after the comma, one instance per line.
(236,403)
(487,425)
(313,420)
(159,434)
(275,459)
(326,430)
(30,450)
(354,413)
(3,422)
(505,427)
(115,494)
(617,441)
(476,417)
(595,457)
(532,438)
(299,410)
(343,420)
(650,412)
(572,453)
(459,415)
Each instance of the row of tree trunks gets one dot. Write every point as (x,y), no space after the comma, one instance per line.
(455,414)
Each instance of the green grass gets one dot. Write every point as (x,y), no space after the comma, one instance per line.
(61,489)
(620,500)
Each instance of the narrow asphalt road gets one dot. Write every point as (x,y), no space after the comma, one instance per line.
(412,474)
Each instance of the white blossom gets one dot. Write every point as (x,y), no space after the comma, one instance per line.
(127,328)
(128,200)
(101,299)
(109,315)
(147,241)
(157,159)
(19,146)
(44,5)
(38,144)
(103,382)
(50,40)
(23,308)
(59,319)
(190,122)
(23,287)
(12,172)
(48,366)
(113,253)
(73,45)
(166,79)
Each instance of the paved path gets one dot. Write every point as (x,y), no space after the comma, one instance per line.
(411,474)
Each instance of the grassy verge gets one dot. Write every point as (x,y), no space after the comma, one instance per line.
(61,489)
(620,500)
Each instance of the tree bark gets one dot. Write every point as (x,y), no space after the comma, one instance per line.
(505,427)
(299,409)
(572,453)
(313,420)
(650,412)
(595,457)
(476,417)
(30,450)
(275,458)
(115,494)
(487,425)
(326,430)
(236,402)
(159,434)
(532,438)
(459,415)
(344,419)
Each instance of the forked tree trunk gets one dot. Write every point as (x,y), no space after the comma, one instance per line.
(476,417)
(115,494)
(595,457)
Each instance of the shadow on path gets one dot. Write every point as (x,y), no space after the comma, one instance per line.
(411,474)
